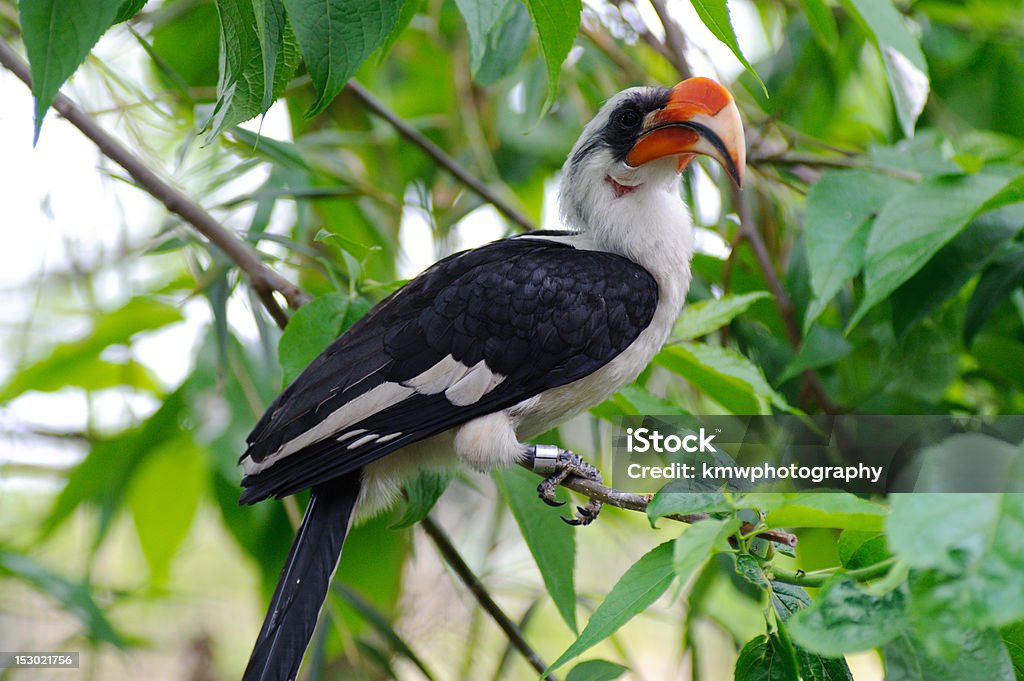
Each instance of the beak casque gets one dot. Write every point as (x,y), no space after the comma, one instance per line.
(700,118)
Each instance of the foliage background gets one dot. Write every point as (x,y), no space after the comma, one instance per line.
(873,264)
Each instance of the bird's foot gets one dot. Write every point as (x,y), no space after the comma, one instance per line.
(559,464)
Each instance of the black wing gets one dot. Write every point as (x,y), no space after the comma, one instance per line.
(528,314)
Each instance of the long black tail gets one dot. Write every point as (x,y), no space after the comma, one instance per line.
(304,580)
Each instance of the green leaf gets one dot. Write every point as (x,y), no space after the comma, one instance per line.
(271,28)
(423,491)
(975,539)
(904,62)
(822,347)
(1013,638)
(983,656)
(635,400)
(698,542)
(788,599)
(749,567)
(817,509)
(74,597)
(765,658)
(103,477)
(819,17)
(258,58)
(953,266)
(846,619)
(410,8)
(551,541)
(481,18)
(337,36)
(700,319)
(715,15)
(839,213)
(312,328)
(724,375)
(966,462)
(506,44)
(596,670)
(58,35)
(676,499)
(821,668)
(128,10)
(916,223)
(164,497)
(859,549)
(75,360)
(998,281)
(642,584)
(556,22)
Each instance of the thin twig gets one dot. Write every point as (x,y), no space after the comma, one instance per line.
(675,40)
(262,278)
(604,42)
(451,556)
(439,156)
(787,312)
(643,32)
(819,577)
(639,502)
(793,159)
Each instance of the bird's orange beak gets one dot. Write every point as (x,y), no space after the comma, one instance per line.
(700,118)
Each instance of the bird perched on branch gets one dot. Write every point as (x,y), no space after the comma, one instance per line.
(492,346)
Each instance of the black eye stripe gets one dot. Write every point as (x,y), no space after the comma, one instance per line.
(624,125)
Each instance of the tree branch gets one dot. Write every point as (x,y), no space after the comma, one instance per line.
(439,156)
(262,278)
(639,502)
(815,161)
(451,556)
(812,382)
(819,577)
(675,40)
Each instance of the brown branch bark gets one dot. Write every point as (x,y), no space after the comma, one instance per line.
(811,381)
(639,502)
(814,161)
(262,278)
(675,39)
(439,156)
(468,577)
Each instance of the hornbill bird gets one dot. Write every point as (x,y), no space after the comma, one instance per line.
(492,346)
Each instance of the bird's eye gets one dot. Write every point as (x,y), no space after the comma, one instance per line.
(629,118)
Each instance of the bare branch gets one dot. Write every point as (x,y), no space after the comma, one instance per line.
(675,39)
(439,156)
(458,565)
(262,278)
(751,234)
(639,502)
(815,161)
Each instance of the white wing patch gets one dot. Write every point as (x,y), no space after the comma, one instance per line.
(364,406)
(439,377)
(461,385)
(477,382)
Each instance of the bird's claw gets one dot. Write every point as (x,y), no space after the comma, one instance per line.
(567,464)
